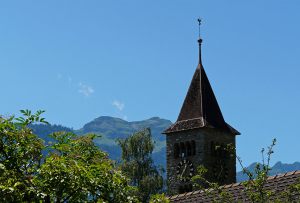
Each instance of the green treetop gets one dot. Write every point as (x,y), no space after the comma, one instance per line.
(138,165)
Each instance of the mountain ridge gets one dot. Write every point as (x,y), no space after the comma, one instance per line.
(277,168)
(112,128)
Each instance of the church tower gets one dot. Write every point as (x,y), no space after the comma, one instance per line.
(199,137)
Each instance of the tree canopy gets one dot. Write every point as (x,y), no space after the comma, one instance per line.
(71,169)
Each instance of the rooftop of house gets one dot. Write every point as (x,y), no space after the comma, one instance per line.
(277,184)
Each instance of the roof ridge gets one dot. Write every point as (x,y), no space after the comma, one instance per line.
(190,119)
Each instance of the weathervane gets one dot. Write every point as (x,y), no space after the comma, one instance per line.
(199,23)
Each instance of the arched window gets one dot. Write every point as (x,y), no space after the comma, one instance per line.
(193,148)
(176,150)
(182,150)
(188,148)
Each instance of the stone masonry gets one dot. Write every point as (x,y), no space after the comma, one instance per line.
(203,138)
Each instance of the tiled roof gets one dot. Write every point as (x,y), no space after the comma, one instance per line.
(200,107)
(276,184)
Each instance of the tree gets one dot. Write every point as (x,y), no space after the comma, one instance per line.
(138,165)
(76,170)
(73,169)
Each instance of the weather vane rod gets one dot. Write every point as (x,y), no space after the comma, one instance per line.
(200,40)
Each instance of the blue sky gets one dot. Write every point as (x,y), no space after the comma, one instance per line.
(79,60)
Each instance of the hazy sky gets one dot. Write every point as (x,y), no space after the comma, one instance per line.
(79,60)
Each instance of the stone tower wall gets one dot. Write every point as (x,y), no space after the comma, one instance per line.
(203,138)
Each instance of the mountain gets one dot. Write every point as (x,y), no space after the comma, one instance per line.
(111,129)
(117,128)
(279,167)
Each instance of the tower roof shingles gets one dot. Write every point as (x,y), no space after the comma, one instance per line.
(200,108)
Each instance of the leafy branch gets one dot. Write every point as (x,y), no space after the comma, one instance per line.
(30,118)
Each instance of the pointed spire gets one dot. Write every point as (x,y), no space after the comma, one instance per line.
(200,40)
(200,107)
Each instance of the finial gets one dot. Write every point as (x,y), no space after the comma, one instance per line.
(199,39)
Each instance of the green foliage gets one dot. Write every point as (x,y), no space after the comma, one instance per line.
(20,157)
(30,118)
(74,170)
(138,164)
(159,198)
